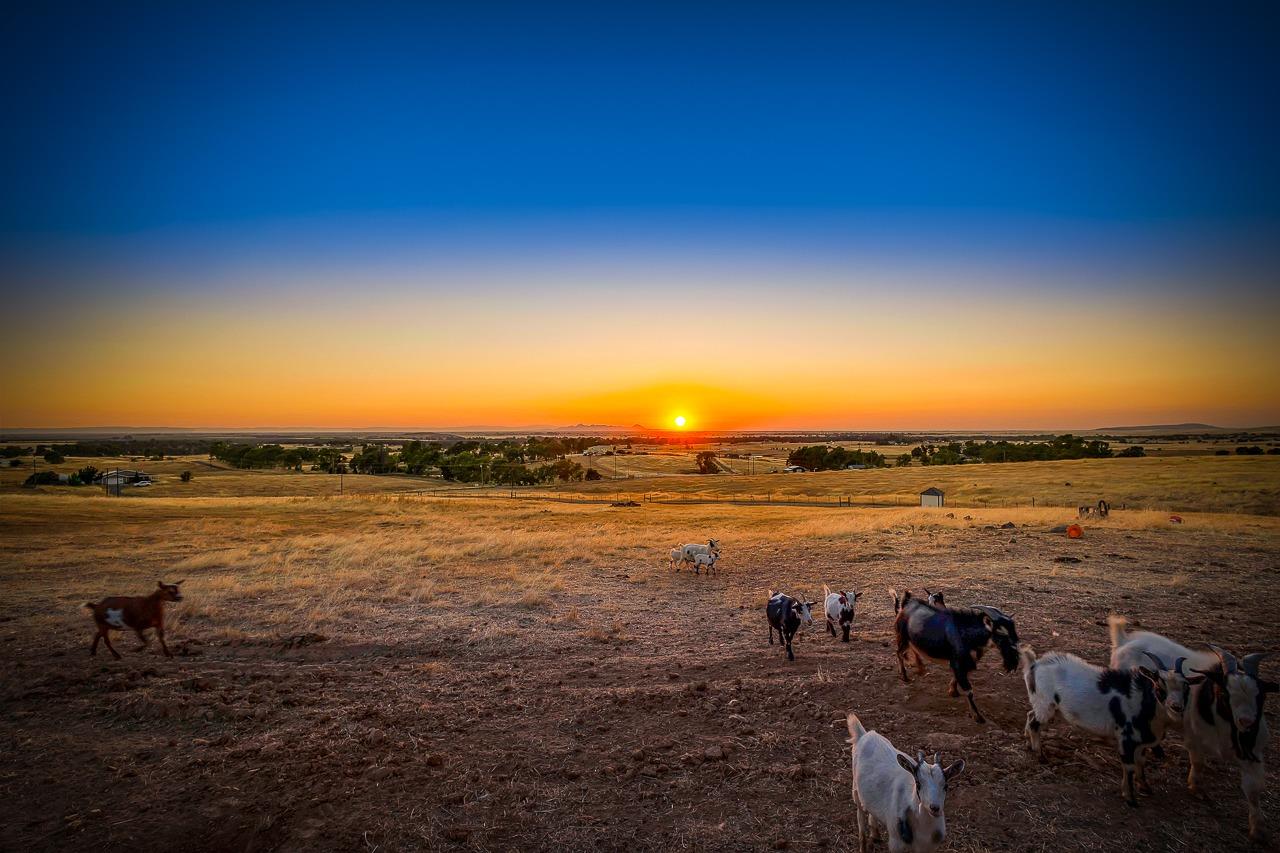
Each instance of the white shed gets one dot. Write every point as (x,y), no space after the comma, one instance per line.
(932,496)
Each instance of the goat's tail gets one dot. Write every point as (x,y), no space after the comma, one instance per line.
(897,603)
(1116,625)
(855,728)
(826,590)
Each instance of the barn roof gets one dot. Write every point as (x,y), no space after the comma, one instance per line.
(932,490)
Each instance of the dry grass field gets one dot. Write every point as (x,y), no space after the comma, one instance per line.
(389,672)
(1181,484)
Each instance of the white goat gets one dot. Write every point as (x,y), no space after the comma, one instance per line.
(1225,720)
(1108,703)
(906,796)
(705,561)
(712,547)
(677,558)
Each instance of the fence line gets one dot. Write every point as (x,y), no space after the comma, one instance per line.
(666,499)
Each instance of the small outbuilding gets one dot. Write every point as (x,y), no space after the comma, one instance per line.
(932,496)
(794,469)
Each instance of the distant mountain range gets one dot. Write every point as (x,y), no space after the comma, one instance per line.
(1150,429)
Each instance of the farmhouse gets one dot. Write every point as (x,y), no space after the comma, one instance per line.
(932,496)
(598,450)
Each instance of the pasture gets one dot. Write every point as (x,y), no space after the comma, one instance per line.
(387,672)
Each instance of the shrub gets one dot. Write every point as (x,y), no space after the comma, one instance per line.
(1132,451)
(53,457)
(593,474)
(87,474)
(185,476)
(1252,450)
(42,478)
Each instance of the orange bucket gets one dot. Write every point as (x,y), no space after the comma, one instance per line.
(1075,531)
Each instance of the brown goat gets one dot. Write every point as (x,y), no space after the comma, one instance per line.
(137,612)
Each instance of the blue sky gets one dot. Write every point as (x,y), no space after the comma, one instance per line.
(1098,177)
(127,117)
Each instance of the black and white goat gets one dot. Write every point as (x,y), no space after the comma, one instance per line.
(786,615)
(937,599)
(1120,704)
(1131,649)
(906,796)
(958,636)
(838,607)
(1225,721)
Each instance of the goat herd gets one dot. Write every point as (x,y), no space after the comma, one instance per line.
(1152,684)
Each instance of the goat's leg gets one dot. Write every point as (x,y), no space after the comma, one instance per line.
(831,628)
(160,634)
(1252,782)
(962,679)
(1195,773)
(953,690)
(902,658)
(862,821)
(106,638)
(1140,764)
(790,654)
(771,633)
(142,640)
(1128,757)
(93,650)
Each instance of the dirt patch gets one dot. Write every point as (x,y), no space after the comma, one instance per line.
(630,708)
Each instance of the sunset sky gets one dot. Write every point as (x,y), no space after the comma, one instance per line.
(824,216)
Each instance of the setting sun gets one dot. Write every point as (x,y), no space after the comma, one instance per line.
(680,421)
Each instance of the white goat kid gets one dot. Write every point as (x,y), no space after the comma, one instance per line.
(906,796)
(705,561)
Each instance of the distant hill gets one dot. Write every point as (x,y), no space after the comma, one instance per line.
(1163,428)
(1153,429)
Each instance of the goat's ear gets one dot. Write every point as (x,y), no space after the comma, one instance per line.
(906,764)
(953,770)
(1149,674)
(1268,686)
(159,584)
(857,595)
(180,583)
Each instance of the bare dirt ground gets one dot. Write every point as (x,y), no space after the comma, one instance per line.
(376,674)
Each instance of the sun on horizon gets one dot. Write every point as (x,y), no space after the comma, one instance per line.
(679,421)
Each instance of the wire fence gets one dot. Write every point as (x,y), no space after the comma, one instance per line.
(623,498)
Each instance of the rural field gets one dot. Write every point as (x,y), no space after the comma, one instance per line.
(385,672)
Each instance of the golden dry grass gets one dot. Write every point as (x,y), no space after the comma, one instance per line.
(1178,484)
(411,673)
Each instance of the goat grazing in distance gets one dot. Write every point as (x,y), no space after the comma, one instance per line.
(122,612)
(1102,510)
(958,636)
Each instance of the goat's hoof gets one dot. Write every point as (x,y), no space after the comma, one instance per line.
(980,720)
(1132,803)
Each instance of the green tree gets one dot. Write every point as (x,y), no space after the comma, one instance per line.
(185,476)
(707,463)
(53,457)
